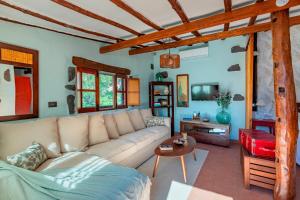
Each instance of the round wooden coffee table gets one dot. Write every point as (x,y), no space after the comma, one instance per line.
(178,151)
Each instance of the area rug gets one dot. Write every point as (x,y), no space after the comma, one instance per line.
(170,171)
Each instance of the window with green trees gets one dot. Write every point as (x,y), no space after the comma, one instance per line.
(100,90)
(106,85)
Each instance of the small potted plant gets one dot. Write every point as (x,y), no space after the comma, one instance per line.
(223,101)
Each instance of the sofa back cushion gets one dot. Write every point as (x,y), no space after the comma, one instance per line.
(146,114)
(111,126)
(97,130)
(136,119)
(16,137)
(123,123)
(73,132)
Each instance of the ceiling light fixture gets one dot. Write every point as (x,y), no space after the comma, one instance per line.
(169,60)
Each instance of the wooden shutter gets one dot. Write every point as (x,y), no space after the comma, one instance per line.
(133,92)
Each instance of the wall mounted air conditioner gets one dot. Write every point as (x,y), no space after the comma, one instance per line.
(200,51)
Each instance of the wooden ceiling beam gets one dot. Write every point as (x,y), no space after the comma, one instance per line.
(139,16)
(228,8)
(180,12)
(46,18)
(52,30)
(253,19)
(235,15)
(90,14)
(215,36)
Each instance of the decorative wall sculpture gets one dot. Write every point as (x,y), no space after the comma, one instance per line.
(71,87)
(237,49)
(234,68)
(238,97)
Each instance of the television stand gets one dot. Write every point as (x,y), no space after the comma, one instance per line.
(207,132)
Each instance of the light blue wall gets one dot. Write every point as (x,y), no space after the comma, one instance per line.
(213,69)
(55,56)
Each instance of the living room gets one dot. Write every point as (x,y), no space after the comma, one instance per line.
(163,92)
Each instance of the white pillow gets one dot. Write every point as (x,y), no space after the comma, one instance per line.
(123,123)
(111,126)
(146,114)
(136,119)
(97,130)
(73,132)
(16,137)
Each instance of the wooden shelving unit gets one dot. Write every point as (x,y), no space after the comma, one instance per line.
(155,85)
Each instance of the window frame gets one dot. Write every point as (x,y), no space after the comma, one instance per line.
(124,91)
(81,90)
(97,74)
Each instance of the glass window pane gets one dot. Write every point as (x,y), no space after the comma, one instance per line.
(88,81)
(120,84)
(106,84)
(88,99)
(120,99)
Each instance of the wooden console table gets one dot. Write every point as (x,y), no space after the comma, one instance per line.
(207,132)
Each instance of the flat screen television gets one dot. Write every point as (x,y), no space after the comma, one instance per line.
(205,91)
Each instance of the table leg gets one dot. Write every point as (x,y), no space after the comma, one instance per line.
(183,168)
(194,153)
(155,166)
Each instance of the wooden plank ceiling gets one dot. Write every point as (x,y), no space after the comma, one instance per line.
(119,22)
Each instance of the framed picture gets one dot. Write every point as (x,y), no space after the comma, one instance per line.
(182,85)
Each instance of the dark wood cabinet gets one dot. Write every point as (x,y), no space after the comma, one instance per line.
(168,99)
(207,132)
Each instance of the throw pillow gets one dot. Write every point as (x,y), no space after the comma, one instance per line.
(155,121)
(123,123)
(31,158)
(136,119)
(97,130)
(111,126)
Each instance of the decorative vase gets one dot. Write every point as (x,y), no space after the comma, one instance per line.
(223,117)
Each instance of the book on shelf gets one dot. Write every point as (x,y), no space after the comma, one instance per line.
(166,147)
(217,131)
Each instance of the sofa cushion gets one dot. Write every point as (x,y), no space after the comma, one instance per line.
(73,132)
(123,123)
(111,126)
(160,131)
(143,136)
(71,159)
(146,114)
(16,137)
(30,158)
(136,119)
(97,130)
(112,148)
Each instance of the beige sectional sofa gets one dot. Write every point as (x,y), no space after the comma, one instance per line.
(120,137)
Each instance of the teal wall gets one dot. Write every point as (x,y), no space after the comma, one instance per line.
(55,56)
(213,68)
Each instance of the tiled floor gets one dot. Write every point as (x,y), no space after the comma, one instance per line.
(222,174)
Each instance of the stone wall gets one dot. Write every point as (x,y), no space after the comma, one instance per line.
(265,87)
